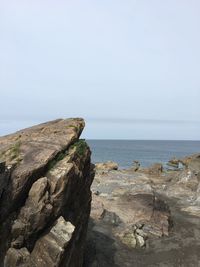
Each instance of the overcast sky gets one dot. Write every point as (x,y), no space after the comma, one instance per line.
(130,68)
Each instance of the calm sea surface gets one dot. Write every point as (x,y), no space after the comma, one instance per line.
(147,152)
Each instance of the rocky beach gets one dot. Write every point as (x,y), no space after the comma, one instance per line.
(146,217)
(58,209)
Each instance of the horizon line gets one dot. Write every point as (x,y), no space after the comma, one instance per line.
(103,139)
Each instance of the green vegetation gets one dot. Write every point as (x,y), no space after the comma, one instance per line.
(81,147)
(15,151)
(61,156)
(58,158)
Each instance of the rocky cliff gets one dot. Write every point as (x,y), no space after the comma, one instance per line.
(45,198)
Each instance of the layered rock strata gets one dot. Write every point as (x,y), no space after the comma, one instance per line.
(45,198)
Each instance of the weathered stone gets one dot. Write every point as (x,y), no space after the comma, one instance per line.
(17,258)
(49,249)
(129,239)
(110,218)
(106,166)
(47,175)
(140,241)
(129,196)
(36,147)
(34,215)
(141,233)
(160,215)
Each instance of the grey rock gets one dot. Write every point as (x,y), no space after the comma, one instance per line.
(110,218)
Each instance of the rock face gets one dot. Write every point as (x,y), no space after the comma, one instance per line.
(45,198)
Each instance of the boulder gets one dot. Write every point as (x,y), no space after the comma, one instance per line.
(110,218)
(106,166)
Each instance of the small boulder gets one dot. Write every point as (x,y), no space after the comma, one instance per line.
(110,218)
(106,166)
(129,239)
(140,241)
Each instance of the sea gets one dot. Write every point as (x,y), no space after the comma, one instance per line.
(147,152)
(124,152)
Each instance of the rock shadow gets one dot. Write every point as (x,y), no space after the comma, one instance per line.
(100,248)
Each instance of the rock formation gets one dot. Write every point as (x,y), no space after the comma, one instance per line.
(149,217)
(45,198)
(106,166)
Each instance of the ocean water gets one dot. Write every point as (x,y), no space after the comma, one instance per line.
(124,152)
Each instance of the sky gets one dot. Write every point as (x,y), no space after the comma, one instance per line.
(130,68)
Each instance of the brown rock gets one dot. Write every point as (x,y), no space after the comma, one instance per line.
(47,175)
(49,250)
(34,215)
(106,166)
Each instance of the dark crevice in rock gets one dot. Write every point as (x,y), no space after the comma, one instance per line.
(4,179)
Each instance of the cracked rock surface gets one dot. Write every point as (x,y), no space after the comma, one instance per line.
(45,197)
(146,217)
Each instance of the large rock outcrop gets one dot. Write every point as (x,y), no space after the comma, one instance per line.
(45,197)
